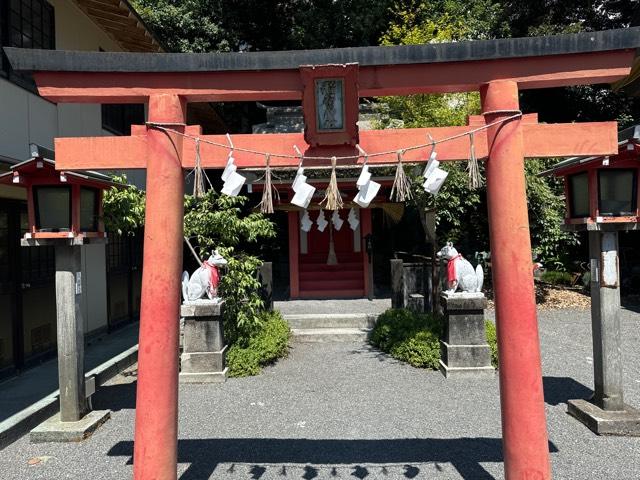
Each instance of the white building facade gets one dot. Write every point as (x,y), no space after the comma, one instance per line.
(111,276)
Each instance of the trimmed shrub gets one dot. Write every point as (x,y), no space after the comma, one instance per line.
(267,343)
(555,277)
(415,338)
(409,337)
(492,340)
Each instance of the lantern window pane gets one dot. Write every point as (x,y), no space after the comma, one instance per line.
(579,195)
(617,192)
(53,208)
(88,210)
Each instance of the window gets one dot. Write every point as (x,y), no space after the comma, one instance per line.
(119,118)
(25,24)
(579,195)
(88,209)
(53,208)
(617,192)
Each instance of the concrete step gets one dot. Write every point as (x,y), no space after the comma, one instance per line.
(330,320)
(327,335)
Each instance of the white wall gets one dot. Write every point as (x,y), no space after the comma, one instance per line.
(26,118)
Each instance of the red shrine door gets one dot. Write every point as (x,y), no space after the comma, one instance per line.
(316,272)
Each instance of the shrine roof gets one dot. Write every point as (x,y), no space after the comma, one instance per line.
(42,167)
(507,48)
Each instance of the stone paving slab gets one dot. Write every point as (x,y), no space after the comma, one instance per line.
(358,305)
(347,411)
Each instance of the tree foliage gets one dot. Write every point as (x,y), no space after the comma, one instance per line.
(219,222)
(252,25)
(460,211)
(123,207)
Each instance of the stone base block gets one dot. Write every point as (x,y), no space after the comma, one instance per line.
(465,356)
(466,372)
(204,377)
(202,362)
(604,422)
(53,430)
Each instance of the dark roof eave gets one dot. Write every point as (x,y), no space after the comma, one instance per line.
(60,60)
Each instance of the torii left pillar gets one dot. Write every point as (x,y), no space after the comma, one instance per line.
(156,427)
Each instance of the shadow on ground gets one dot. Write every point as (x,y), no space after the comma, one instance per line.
(362,457)
(120,396)
(559,390)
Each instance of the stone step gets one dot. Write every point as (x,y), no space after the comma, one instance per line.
(330,320)
(330,335)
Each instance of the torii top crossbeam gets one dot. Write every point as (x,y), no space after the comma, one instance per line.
(536,62)
(498,69)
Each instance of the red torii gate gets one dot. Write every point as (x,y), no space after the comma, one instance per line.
(498,69)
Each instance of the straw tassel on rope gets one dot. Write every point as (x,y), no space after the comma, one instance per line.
(332,199)
(199,188)
(401,190)
(475,180)
(266,204)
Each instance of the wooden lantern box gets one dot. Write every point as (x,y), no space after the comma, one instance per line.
(602,192)
(62,206)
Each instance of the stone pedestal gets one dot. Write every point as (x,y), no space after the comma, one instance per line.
(76,421)
(203,351)
(464,350)
(411,285)
(606,413)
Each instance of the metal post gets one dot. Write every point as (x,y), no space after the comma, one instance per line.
(70,330)
(524,433)
(156,428)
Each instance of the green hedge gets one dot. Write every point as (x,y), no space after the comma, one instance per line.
(267,343)
(415,338)
(555,277)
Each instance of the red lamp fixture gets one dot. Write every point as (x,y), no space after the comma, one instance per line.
(61,205)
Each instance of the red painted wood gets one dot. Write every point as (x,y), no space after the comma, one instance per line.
(75,209)
(535,72)
(349,75)
(593,194)
(31,211)
(294,252)
(524,433)
(325,280)
(540,140)
(156,427)
(365,229)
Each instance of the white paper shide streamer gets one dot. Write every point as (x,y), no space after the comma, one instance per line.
(321,221)
(353,219)
(433,175)
(233,181)
(336,220)
(367,188)
(305,222)
(303,191)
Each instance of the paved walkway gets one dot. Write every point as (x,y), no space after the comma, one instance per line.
(21,391)
(345,410)
(360,305)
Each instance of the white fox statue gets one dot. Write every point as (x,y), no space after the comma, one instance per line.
(460,273)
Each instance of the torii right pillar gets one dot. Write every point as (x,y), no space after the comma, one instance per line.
(524,429)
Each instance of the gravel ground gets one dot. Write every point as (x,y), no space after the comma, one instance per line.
(345,410)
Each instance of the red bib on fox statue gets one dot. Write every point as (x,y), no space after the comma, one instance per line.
(460,274)
(451,269)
